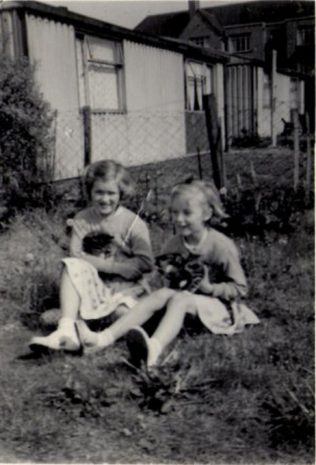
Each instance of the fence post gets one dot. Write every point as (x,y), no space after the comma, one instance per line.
(296,149)
(222,158)
(212,126)
(199,162)
(273,98)
(53,162)
(86,115)
(308,158)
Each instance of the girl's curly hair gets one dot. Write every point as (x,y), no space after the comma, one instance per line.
(108,170)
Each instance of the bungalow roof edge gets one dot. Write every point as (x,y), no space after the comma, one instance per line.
(102,28)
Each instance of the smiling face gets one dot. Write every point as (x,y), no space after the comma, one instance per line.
(105,196)
(189,215)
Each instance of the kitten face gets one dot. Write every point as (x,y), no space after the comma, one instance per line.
(180,273)
(97,243)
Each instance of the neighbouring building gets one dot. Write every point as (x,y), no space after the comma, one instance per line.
(249,32)
(116,93)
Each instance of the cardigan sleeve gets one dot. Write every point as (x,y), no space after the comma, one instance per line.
(80,228)
(141,260)
(234,284)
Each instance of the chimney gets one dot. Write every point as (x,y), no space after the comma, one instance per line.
(194,5)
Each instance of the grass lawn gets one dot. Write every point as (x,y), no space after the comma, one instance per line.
(242,399)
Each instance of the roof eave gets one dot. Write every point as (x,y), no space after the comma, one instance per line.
(86,24)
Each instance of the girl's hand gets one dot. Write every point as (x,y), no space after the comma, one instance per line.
(117,240)
(100,263)
(205,286)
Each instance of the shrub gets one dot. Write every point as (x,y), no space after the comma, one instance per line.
(259,210)
(25,137)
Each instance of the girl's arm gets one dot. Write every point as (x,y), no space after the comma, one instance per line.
(131,268)
(234,285)
(142,260)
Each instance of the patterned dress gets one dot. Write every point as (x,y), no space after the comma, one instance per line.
(223,311)
(101,293)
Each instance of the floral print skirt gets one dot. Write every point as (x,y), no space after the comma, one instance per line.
(99,298)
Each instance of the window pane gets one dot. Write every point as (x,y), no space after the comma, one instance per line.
(190,93)
(100,49)
(294,94)
(103,88)
(208,81)
(198,83)
(240,43)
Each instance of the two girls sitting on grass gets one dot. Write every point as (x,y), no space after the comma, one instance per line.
(216,301)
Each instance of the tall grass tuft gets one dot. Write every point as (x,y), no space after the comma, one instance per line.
(31,250)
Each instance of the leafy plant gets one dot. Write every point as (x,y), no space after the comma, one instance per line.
(25,136)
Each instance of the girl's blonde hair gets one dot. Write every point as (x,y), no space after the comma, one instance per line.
(205,191)
(108,170)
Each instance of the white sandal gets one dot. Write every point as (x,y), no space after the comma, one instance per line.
(54,342)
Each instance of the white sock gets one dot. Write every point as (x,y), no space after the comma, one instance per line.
(66,326)
(105,338)
(154,351)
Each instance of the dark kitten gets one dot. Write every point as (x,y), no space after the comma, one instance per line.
(97,243)
(180,273)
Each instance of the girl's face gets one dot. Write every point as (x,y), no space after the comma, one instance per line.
(105,196)
(189,216)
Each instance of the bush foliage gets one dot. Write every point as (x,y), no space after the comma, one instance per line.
(25,135)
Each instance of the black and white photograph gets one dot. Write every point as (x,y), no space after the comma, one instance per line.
(157,232)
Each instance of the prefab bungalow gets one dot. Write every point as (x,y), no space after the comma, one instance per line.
(256,102)
(134,97)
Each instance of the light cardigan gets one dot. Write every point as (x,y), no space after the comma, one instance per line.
(125,225)
(221,257)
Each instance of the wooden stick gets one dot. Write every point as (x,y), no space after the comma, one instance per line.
(253,173)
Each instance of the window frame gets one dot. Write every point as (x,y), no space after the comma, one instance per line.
(267,92)
(302,32)
(243,36)
(203,79)
(88,62)
(203,39)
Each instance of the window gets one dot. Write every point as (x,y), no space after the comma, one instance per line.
(305,36)
(100,67)
(266,91)
(198,83)
(200,41)
(294,94)
(240,43)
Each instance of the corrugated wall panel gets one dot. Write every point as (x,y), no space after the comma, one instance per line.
(154,78)
(154,82)
(240,95)
(52,47)
(283,101)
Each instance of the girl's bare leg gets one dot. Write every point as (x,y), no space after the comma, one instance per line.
(168,329)
(138,315)
(65,337)
(172,321)
(69,298)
